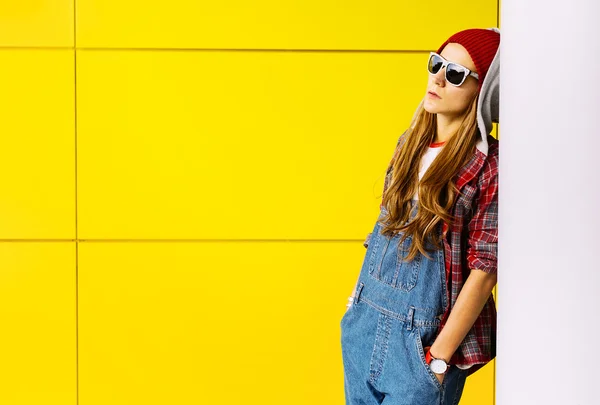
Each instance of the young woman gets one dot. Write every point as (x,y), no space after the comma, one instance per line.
(422,315)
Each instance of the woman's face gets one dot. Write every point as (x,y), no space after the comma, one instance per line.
(453,101)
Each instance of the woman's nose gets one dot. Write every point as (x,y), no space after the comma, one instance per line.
(440,77)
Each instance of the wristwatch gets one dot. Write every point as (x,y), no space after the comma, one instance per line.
(438,366)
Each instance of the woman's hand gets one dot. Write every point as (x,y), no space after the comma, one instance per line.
(440,377)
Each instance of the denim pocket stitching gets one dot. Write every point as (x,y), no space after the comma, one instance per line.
(409,269)
(405,274)
(421,353)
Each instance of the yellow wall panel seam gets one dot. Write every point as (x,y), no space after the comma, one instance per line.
(76,204)
(299,50)
(38,48)
(77,322)
(35,240)
(75,142)
(192,240)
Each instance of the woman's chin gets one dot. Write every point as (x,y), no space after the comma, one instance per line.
(430,108)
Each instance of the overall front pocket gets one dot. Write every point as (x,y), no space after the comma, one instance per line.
(421,354)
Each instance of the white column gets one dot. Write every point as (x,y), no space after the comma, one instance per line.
(549,208)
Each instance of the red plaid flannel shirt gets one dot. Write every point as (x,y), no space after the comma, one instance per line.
(471,243)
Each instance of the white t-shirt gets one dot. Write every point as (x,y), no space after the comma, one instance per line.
(433,150)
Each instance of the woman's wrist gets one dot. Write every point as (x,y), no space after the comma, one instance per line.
(436,355)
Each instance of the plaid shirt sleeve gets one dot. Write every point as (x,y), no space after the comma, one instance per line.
(482,246)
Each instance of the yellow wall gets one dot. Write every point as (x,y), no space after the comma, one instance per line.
(187,186)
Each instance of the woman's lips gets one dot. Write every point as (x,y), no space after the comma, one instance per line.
(433,95)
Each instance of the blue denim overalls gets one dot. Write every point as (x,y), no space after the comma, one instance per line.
(396,311)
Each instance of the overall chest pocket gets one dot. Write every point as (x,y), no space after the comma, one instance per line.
(387,261)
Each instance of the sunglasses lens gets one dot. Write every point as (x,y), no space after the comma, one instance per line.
(455,74)
(435,64)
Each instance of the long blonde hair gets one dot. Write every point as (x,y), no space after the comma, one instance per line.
(437,189)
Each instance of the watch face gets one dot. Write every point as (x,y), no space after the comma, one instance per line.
(438,366)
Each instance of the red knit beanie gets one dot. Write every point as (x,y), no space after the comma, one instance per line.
(481,44)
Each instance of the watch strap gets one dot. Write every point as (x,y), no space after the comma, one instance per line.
(427,355)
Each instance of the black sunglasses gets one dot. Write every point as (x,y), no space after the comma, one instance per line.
(455,74)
